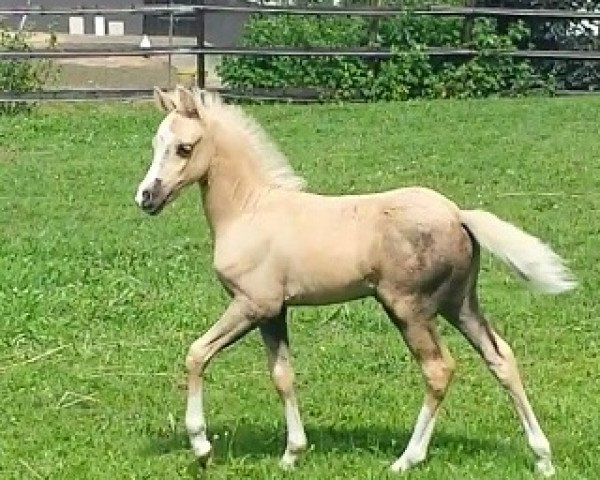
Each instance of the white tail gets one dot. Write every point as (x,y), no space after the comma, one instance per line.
(534,261)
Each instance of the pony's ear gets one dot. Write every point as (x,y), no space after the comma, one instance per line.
(163,100)
(204,100)
(185,101)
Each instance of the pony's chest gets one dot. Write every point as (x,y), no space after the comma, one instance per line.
(235,257)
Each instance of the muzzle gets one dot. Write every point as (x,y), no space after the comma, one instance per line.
(152,199)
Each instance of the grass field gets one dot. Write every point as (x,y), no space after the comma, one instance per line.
(98,302)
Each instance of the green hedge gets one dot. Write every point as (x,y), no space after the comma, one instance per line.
(20,75)
(403,76)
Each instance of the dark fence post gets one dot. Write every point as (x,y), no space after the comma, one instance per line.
(200,64)
(374,23)
(467,28)
(503,23)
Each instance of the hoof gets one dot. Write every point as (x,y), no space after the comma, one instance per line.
(288,461)
(544,467)
(405,463)
(203,451)
(399,466)
(287,464)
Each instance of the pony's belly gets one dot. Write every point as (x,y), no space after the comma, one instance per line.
(325,295)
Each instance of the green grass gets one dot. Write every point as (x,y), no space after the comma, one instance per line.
(123,295)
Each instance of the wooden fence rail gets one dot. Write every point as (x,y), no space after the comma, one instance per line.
(126,51)
(435,10)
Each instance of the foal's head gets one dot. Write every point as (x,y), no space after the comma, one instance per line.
(181,153)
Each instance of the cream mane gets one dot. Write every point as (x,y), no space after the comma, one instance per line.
(274,162)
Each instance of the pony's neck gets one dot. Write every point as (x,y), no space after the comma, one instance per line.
(234,185)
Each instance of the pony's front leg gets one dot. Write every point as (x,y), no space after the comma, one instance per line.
(275,337)
(234,323)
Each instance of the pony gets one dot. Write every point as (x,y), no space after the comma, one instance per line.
(276,245)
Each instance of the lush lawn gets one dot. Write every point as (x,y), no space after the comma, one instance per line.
(98,302)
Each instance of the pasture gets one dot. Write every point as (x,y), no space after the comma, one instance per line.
(99,302)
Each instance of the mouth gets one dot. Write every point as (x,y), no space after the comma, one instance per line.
(154,198)
(155,208)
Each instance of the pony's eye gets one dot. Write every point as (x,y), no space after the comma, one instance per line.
(184,150)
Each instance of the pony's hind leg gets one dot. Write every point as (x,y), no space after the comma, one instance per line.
(437,365)
(275,338)
(501,361)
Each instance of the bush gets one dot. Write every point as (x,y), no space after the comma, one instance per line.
(20,75)
(559,34)
(409,74)
(491,72)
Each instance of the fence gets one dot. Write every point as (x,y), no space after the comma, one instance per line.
(197,12)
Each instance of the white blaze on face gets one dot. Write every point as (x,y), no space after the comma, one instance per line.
(163,142)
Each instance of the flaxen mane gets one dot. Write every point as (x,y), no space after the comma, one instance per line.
(274,162)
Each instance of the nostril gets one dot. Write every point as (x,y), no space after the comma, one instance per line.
(146,199)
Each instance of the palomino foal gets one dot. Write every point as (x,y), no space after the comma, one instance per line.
(412,249)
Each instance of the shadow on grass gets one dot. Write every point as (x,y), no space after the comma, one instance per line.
(252,440)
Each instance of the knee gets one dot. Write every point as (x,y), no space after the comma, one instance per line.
(504,366)
(283,378)
(196,358)
(438,374)
(505,372)
(503,348)
(450,363)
